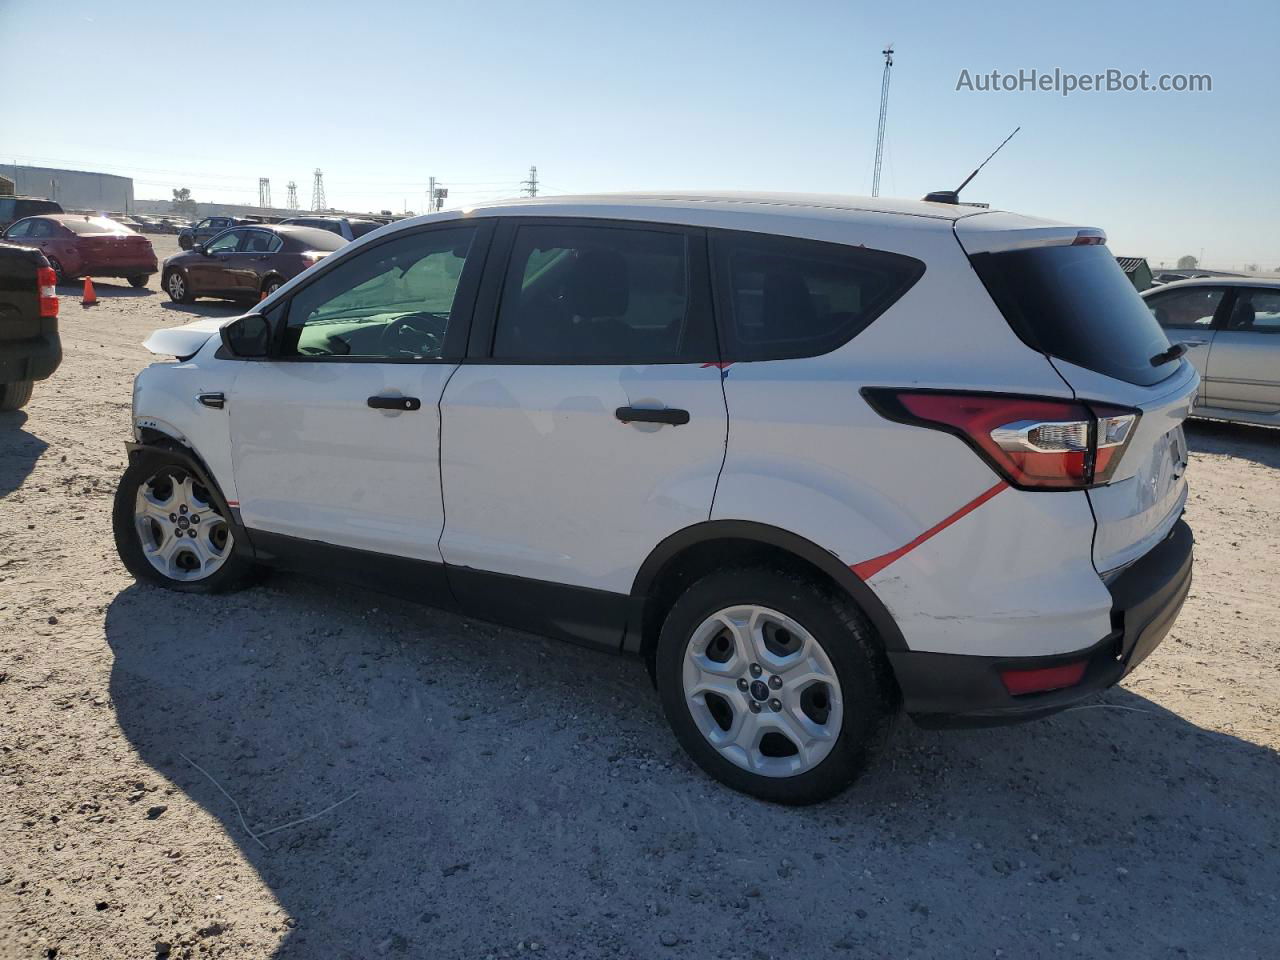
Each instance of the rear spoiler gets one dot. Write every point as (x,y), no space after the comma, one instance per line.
(999,232)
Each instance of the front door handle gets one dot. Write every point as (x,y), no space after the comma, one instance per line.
(395,403)
(1195,343)
(668,415)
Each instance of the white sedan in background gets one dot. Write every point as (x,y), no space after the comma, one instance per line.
(1231,328)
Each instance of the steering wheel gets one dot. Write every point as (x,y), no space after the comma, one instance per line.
(415,326)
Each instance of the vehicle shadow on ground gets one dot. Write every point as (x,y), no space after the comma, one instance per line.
(19,451)
(1259,444)
(208,308)
(510,789)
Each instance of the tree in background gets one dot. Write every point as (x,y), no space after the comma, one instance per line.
(1188,262)
(182,202)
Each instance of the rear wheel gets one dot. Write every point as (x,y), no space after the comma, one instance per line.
(59,272)
(773,683)
(14,396)
(175,284)
(170,531)
(138,281)
(271,285)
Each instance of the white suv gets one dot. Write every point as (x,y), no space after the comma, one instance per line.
(813,458)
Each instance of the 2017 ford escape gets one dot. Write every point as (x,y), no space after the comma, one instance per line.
(814,458)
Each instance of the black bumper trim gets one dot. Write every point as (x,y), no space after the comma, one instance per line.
(942,689)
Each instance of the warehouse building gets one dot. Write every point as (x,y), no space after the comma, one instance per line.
(74,189)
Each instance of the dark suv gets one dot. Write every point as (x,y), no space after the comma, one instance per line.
(13,209)
(206,229)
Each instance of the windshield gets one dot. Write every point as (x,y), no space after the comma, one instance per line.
(1076,304)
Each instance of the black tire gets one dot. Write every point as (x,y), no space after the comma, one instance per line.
(14,396)
(139,281)
(236,570)
(179,291)
(270,285)
(59,273)
(869,693)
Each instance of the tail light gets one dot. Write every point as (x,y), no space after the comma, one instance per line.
(310,259)
(1032,442)
(47,283)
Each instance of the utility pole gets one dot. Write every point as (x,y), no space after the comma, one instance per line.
(530,186)
(317,191)
(292,202)
(264,191)
(435,196)
(884,111)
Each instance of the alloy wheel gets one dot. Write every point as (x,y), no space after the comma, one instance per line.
(181,532)
(177,286)
(762,691)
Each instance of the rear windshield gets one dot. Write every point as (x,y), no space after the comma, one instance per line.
(1076,304)
(94,225)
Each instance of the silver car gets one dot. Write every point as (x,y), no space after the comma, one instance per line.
(1231,327)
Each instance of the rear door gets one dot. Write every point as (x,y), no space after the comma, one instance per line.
(1186,314)
(588,424)
(1244,367)
(1069,299)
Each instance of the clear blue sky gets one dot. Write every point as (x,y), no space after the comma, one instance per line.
(692,94)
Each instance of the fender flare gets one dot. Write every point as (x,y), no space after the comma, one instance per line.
(763,533)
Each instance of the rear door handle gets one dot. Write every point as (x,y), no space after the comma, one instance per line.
(668,415)
(395,403)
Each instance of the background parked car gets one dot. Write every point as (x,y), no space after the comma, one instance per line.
(13,209)
(80,246)
(345,227)
(206,230)
(247,261)
(1231,328)
(29,346)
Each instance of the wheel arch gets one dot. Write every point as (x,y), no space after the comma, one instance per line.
(694,551)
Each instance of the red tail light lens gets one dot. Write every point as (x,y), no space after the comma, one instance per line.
(1033,442)
(47,283)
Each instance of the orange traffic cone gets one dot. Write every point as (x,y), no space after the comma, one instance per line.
(90,298)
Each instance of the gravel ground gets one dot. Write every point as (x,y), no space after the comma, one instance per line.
(505,795)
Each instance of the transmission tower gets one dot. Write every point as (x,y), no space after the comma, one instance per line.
(317,191)
(884,110)
(530,186)
(264,191)
(292,202)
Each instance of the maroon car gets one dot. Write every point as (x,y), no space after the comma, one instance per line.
(83,246)
(246,262)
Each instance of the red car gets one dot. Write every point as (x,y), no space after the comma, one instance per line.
(80,246)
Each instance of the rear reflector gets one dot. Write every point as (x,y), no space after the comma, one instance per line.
(47,284)
(1043,679)
(1035,443)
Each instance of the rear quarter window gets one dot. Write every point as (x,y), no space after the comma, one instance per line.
(1075,303)
(780,297)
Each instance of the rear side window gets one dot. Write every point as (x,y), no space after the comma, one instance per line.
(779,297)
(1076,304)
(360,229)
(1192,308)
(601,294)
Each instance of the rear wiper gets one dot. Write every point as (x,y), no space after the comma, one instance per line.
(1173,353)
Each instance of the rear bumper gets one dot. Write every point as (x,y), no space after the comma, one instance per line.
(91,269)
(942,689)
(33,359)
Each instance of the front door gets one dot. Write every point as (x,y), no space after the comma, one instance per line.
(588,424)
(1244,367)
(336,438)
(210,272)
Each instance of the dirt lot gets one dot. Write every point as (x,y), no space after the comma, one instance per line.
(514,795)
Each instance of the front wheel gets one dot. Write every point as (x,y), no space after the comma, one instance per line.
(176,285)
(773,683)
(59,271)
(170,530)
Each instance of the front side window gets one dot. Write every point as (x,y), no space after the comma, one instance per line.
(394,301)
(1256,310)
(1189,309)
(575,294)
(225,242)
(784,298)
